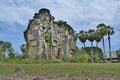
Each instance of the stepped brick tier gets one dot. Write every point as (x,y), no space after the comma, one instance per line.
(61,41)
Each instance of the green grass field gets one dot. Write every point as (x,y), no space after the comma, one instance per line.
(75,69)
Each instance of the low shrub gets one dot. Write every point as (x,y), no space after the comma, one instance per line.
(65,59)
(80,56)
(96,58)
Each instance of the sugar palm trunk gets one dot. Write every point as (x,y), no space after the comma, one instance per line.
(92,51)
(96,50)
(84,44)
(110,48)
(104,48)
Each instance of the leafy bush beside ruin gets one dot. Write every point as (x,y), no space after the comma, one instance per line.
(79,56)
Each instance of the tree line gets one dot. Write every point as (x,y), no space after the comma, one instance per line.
(97,35)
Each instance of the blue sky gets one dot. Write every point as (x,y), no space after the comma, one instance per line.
(80,14)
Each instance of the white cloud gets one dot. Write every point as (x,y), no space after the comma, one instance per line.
(11,13)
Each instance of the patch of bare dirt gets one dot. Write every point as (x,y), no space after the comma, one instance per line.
(45,77)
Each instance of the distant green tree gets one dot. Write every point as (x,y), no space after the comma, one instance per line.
(118,54)
(5,49)
(75,36)
(11,54)
(23,49)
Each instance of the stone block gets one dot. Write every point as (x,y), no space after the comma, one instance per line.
(34,43)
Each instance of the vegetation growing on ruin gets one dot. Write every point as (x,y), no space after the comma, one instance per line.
(60,23)
(47,38)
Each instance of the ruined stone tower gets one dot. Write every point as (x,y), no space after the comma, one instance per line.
(45,38)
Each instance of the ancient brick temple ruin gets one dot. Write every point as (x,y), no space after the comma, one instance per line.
(61,41)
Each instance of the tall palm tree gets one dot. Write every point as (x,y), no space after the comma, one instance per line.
(83,36)
(103,32)
(97,37)
(110,31)
(91,34)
